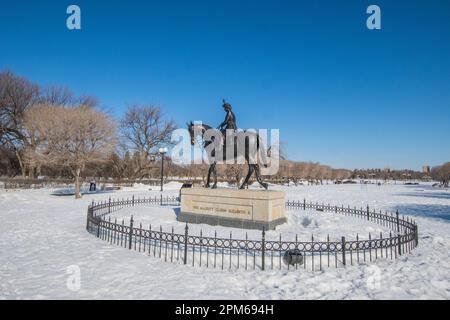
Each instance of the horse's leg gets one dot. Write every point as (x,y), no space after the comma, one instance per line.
(251,168)
(258,177)
(209,176)
(214,171)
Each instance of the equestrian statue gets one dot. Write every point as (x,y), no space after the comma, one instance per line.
(251,151)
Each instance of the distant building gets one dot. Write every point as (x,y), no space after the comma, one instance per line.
(426,169)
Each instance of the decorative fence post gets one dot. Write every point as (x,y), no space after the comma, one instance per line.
(132,200)
(343,251)
(160,203)
(263,249)
(368,214)
(87,218)
(131,233)
(99,221)
(304,204)
(399,245)
(185,242)
(109,205)
(398,221)
(417,234)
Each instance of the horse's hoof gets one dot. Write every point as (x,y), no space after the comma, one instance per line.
(265,186)
(214,187)
(207,186)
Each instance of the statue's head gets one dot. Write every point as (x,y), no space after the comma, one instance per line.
(226,105)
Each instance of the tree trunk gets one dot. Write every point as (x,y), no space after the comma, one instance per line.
(21,164)
(77,183)
(32,172)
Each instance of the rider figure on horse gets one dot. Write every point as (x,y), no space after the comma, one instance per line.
(230,119)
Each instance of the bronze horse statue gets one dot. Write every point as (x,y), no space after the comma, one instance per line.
(200,129)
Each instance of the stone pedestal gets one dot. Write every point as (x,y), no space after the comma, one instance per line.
(247,209)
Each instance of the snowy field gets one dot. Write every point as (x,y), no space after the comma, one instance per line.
(42,235)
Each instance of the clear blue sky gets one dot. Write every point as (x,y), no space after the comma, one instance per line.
(340,94)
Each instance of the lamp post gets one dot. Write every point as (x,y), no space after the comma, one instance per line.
(162,152)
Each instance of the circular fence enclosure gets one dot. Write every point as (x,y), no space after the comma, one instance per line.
(252,254)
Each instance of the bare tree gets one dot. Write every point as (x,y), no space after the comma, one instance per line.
(119,165)
(441,173)
(73,137)
(8,162)
(16,95)
(34,140)
(144,130)
(57,96)
(88,101)
(63,96)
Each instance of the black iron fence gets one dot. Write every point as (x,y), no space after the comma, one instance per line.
(219,252)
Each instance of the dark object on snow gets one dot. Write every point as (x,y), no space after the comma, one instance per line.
(92,186)
(293,257)
(185,185)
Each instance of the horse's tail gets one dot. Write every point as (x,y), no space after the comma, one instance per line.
(263,154)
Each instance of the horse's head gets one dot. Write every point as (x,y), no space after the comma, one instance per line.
(191,130)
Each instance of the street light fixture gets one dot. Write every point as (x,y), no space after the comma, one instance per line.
(162,152)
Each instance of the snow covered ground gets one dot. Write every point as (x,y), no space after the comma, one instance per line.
(43,236)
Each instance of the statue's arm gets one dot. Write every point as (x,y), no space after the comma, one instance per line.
(224,123)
